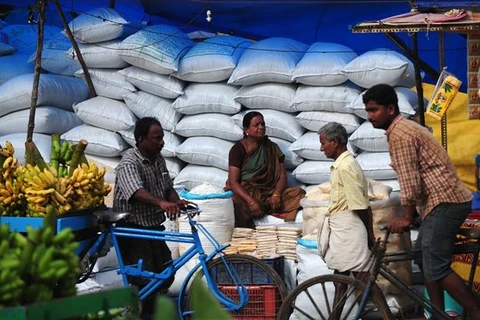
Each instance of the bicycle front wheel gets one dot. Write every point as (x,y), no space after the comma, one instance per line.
(265,287)
(315,299)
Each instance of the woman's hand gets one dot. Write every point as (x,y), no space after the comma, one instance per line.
(275,202)
(255,209)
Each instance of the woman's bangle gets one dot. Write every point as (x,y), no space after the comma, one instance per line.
(252,203)
(276,194)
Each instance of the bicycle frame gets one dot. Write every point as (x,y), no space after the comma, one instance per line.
(380,267)
(157,279)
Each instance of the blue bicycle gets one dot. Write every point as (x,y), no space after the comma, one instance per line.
(228,277)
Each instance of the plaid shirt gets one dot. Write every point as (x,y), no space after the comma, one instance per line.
(136,172)
(426,174)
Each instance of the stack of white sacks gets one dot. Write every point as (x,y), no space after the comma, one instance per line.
(200,93)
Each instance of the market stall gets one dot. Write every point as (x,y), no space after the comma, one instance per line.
(462,116)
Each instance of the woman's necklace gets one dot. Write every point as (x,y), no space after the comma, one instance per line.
(250,145)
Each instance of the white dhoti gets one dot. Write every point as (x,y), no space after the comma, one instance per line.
(343,242)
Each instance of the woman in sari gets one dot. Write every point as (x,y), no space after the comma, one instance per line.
(257,176)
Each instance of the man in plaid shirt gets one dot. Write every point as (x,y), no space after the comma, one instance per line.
(144,188)
(429,185)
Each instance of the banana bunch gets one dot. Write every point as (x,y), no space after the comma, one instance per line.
(11,197)
(27,190)
(39,188)
(10,164)
(39,266)
(87,187)
(53,265)
(8,151)
(64,154)
(11,282)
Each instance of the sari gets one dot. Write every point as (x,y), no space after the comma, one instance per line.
(260,173)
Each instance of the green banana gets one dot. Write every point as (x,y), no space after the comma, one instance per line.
(12,263)
(20,239)
(4,246)
(63,150)
(33,234)
(64,236)
(47,236)
(45,260)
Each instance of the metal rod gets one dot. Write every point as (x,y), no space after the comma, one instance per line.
(413,55)
(418,81)
(441,61)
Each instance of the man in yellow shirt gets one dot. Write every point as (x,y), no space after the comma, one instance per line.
(346,232)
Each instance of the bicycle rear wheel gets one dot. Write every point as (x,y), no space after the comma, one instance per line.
(314,299)
(266,294)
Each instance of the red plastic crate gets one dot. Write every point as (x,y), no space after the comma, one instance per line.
(263,303)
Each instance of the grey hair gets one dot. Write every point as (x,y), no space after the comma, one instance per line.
(334,131)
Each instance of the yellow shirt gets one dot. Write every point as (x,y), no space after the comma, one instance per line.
(349,187)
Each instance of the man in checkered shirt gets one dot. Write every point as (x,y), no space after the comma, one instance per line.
(429,185)
(144,188)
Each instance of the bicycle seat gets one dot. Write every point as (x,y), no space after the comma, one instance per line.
(470,233)
(110,216)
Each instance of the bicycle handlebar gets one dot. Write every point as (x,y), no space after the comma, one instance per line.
(405,246)
(191,210)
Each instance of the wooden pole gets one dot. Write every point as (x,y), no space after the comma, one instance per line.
(37,70)
(77,50)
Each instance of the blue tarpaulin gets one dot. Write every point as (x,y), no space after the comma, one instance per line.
(305,21)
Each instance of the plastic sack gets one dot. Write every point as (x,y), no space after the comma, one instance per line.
(445,91)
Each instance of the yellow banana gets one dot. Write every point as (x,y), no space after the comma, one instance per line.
(43,192)
(80,176)
(85,167)
(40,182)
(69,191)
(5,193)
(61,199)
(9,186)
(41,200)
(75,174)
(101,173)
(67,207)
(44,178)
(93,168)
(63,186)
(7,163)
(31,170)
(49,175)
(7,200)
(39,208)
(5,153)
(10,148)
(37,199)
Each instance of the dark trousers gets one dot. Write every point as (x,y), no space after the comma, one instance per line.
(156,257)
